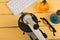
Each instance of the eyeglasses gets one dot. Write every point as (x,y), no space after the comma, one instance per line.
(45,21)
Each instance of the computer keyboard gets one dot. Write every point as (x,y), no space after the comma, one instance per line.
(18,6)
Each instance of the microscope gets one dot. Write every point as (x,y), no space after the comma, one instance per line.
(28,23)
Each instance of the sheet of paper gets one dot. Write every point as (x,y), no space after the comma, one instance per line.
(18,6)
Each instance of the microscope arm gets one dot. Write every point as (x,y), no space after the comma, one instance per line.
(33,26)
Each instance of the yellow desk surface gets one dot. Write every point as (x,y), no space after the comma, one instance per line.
(7,19)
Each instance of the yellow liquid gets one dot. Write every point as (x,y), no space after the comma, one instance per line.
(41,7)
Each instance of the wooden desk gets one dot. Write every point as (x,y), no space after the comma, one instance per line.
(9,20)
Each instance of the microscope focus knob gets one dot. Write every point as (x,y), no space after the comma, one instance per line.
(36,26)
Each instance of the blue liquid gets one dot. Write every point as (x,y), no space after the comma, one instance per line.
(54,19)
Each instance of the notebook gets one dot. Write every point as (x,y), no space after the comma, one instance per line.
(18,6)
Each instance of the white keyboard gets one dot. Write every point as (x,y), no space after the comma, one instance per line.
(18,6)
